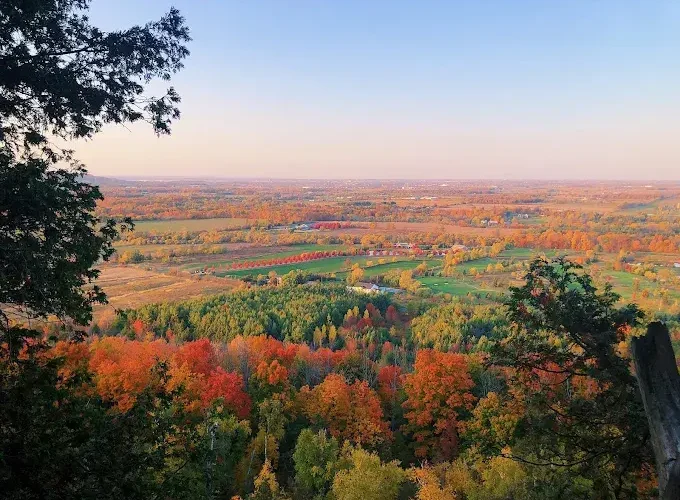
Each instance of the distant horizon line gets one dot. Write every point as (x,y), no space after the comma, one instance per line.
(143,178)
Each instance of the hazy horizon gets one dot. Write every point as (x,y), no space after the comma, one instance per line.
(393,90)
(179,177)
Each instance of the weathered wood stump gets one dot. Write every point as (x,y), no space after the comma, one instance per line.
(659,381)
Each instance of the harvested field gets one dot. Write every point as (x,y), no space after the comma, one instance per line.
(192,224)
(421,227)
(130,286)
(182,247)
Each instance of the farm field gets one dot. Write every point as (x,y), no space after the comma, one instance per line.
(622,282)
(434,227)
(182,247)
(358,217)
(179,225)
(132,286)
(652,206)
(164,282)
(450,285)
(400,266)
(328,266)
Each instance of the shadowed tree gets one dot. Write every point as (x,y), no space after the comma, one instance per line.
(582,406)
(61,77)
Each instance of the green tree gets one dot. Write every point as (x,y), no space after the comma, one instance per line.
(368,478)
(220,443)
(458,323)
(272,427)
(131,257)
(315,457)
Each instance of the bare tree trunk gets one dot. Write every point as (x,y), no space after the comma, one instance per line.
(659,381)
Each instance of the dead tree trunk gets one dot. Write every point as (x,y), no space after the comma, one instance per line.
(659,382)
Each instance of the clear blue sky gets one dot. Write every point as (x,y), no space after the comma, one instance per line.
(476,89)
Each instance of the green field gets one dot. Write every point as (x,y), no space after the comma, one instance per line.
(652,206)
(451,285)
(334,265)
(514,253)
(192,224)
(622,278)
(528,253)
(401,265)
(622,284)
(532,221)
(477,264)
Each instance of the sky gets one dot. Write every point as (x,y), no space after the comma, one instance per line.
(421,89)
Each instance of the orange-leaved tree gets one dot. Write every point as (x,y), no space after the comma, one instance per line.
(349,411)
(436,392)
(229,387)
(123,368)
